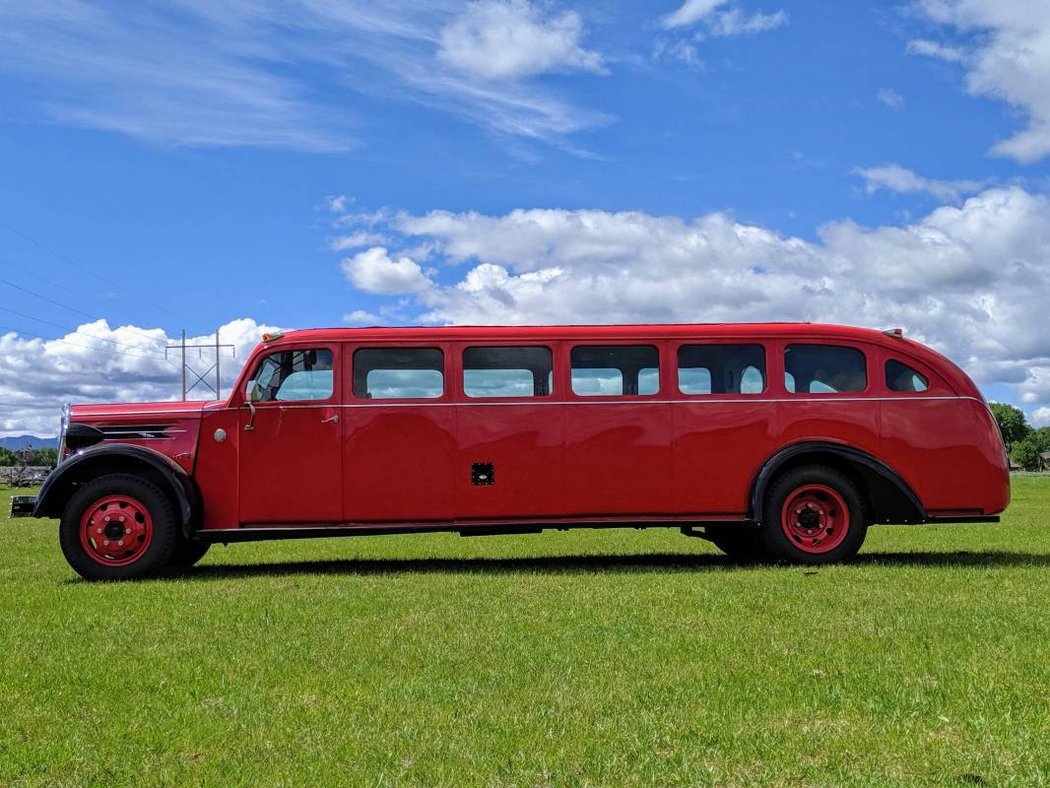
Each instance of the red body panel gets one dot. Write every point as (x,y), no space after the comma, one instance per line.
(525,443)
(668,456)
(173,427)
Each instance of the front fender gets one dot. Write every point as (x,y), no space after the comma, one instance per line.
(114,458)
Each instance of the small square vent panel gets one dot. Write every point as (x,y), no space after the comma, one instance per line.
(482,474)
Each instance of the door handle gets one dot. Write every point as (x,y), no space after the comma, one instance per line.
(251,417)
(333,419)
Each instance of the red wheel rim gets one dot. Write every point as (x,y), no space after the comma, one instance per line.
(116,530)
(815,518)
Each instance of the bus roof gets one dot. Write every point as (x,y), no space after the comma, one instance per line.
(589,332)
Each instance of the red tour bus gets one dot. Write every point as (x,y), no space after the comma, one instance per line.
(780,442)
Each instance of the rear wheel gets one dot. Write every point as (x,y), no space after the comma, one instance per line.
(118,527)
(813,515)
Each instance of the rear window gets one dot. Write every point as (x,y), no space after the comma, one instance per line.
(901,377)
(399,373)
(721,369)
(824,369)
(615,370)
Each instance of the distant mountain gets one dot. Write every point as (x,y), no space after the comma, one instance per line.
(21,441)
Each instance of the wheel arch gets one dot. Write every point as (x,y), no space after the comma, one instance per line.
(97,461)
(889,499)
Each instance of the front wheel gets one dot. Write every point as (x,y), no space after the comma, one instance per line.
(118,527)
(813,515)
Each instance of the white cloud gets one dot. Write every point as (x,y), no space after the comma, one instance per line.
(722,18)
(355,240)
(895,178)
(735,23)
(239,66)
(337,203)
(1007,56)
(97,363)
(1041,417)
(374,271)
(691,12)
(934,49)
(509,39)
(973,279)
(362,317)
(891,98)
(682,51)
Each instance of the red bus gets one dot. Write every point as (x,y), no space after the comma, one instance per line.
(781,442)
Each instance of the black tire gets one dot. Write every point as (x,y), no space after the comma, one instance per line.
(825,523)
(738,543)
(187,553)
(107,500)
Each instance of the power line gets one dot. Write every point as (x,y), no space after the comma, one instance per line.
(120,350)
(71,328)
(27,271)
(74,309)
(71,262)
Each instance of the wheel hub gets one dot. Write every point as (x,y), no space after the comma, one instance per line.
(809,518)
(116,530)
(816,518)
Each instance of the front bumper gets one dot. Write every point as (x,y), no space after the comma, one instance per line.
(23,505)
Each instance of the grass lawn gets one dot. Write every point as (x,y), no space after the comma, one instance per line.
(604,657)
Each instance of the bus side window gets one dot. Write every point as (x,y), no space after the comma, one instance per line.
(615,370)
(399,373)
(721,369)
(824,369)
(507,371)
(901,377)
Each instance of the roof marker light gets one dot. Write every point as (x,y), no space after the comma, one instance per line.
(271,337)
(894,332)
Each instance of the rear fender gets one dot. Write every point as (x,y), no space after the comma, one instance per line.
(874,475)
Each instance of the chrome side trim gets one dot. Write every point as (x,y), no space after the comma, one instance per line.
(611,401)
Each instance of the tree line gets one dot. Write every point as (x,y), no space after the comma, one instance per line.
(1024,443)
(37,457)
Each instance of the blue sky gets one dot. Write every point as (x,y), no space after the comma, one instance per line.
(191,164)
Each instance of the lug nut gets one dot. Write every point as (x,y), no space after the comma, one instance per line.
(127,530)
(98,530)
(120,543)
(122,518)
(106,543)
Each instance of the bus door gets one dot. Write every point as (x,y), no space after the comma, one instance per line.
(724,422)
(289,440)
(617,431)
(510,433)
(399,444)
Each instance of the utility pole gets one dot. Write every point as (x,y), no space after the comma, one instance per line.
(200,376)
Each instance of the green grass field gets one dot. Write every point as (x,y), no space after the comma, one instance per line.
(580,658)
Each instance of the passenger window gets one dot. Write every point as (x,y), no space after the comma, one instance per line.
(292,376)
(399,373)
(507,371)
(721,369)
(615,370)
(901,377)
(824,369)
